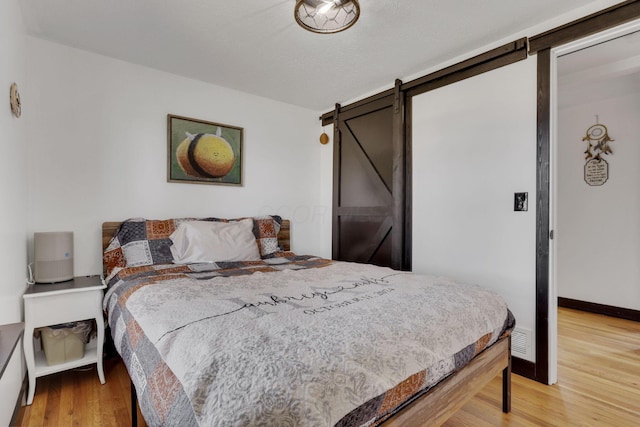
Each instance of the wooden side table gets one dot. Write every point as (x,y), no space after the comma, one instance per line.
(51,304)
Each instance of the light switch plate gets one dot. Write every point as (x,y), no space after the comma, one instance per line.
(521,202)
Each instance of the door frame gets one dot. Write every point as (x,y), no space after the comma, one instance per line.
(556,53)
(594,25)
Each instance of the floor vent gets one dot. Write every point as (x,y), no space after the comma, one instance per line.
(521,343)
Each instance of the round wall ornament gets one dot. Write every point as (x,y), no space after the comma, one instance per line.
(14,98)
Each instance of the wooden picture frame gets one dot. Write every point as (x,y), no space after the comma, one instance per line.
(202,152)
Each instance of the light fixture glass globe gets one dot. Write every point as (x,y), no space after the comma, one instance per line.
(326,16)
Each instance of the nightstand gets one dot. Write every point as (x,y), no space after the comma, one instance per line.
(51,304)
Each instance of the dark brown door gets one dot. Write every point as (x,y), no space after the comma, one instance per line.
(367,226)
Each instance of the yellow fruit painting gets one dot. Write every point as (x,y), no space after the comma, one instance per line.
(205,156)
(203,152)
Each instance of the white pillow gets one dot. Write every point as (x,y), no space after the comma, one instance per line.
(211,241)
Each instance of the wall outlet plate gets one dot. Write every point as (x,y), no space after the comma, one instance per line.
(521,202)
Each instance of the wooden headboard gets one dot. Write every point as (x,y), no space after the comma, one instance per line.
(109,229)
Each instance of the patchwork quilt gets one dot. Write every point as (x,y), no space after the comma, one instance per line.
(292,340)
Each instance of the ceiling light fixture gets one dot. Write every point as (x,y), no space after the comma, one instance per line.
(326,16)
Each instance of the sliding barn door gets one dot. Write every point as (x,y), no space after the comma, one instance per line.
(369,186)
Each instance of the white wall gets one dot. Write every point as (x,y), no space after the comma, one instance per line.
(474,146)
(97,151)
(13,188)
(598,228)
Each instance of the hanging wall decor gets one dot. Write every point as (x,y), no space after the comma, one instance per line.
(14,100)
(201,152)
(596,169)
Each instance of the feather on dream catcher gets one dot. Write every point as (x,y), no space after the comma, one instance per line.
(596,170)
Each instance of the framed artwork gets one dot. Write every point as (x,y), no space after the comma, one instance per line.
(200,152)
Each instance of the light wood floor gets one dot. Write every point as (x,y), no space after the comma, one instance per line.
(599,385)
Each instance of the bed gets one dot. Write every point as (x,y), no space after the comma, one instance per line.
(295,340)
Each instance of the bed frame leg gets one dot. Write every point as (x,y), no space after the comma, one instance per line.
(134,406)
(506,384)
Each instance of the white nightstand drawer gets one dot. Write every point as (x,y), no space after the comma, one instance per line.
(61,308)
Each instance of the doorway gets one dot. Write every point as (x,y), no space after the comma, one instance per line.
(592,83)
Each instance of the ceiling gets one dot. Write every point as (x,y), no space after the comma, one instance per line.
(255,45)
(605,70)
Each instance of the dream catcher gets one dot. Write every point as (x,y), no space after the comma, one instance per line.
(596,170)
